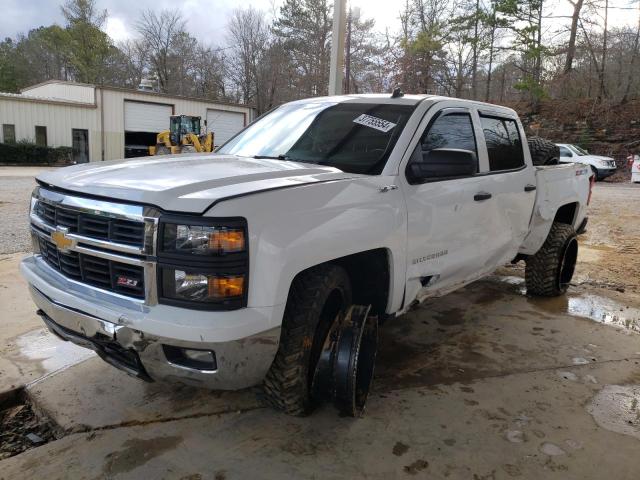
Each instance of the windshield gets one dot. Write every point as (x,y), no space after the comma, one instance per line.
(354,137)
(579,151)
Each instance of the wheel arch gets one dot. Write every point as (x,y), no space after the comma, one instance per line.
(370,274)
(567,213)
(541,225)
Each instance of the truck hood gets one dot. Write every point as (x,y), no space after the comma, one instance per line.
(596,157)
(186,183)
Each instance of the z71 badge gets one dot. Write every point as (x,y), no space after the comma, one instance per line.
(431,256)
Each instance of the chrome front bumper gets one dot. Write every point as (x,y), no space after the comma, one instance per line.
(606,172)
(129,340)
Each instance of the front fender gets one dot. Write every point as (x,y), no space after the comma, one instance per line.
(296,228)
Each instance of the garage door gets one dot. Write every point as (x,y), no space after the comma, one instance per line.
(224,125)
(146,117)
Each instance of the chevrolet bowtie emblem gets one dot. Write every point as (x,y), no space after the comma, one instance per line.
(60,239)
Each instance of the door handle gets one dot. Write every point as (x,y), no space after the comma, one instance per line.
(478,197)
(529,188)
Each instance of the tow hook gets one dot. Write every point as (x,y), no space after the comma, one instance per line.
(344,371)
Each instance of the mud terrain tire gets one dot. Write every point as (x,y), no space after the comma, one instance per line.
(543,152)
(549,272)
(315,298)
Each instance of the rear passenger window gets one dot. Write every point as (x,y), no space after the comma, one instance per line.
(503,143)
(453,130)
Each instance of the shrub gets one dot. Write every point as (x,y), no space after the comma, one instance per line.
(26,153)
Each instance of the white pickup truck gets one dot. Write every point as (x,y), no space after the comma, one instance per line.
(602,167)
(227,270)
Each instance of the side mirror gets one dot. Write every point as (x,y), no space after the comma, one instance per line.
(441,163)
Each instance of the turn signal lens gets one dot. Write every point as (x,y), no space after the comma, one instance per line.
(226,240)
(223,287)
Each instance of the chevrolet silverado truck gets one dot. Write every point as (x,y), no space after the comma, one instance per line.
(225,270)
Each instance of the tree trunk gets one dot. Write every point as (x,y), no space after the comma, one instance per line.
(347,56)
(537,65)
(603,62)
(634,57)
(491,49)
(571,48)
(474,68)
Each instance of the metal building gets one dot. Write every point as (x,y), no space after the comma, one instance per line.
(105,123)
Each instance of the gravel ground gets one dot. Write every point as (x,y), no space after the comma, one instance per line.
(15,193)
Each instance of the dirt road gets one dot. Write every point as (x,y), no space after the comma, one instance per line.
(610,249)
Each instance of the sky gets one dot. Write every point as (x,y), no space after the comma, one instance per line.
(206,19)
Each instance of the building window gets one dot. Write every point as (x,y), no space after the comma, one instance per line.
(8,133)
(41,136)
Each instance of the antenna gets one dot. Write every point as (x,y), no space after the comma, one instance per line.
(397,93)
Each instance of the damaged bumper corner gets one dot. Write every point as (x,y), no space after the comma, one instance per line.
(239,363)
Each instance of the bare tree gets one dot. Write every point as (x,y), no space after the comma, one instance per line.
(634,58)
(571,47)
(248,36)
(160,33)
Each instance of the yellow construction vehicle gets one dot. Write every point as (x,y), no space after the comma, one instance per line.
(183,136)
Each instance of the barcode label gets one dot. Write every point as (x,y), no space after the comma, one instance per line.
(374,122)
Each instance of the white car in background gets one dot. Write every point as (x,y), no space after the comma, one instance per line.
(602,167)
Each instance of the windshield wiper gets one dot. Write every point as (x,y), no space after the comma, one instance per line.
(272,157)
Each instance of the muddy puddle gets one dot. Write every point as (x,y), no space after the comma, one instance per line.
(21,428)
(594,307)
(586,305)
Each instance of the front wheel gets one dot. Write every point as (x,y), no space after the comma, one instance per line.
(316,298)
(549,272)
(594,170)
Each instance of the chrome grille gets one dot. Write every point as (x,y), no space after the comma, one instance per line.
(96,271)
(103,244)
(103,228)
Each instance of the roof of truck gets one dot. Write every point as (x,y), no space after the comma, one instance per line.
(407,99)
(367,98)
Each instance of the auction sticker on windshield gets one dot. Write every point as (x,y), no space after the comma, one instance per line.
(374,122)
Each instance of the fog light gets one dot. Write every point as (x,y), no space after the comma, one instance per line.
(191,358)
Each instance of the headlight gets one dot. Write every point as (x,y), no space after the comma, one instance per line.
(194,286)
(203,263)
(34,199)
(202,239)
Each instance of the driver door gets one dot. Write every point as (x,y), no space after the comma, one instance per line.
(448,227)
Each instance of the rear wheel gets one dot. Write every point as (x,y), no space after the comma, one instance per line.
(316,297)
(549,272)
(543,152)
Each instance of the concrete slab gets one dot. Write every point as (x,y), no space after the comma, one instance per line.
(530,425)
(23,171)
(490,328)
(93,395)
(469,335)
(27,350)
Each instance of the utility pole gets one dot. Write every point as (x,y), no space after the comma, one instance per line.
(347,61)
(337,47)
